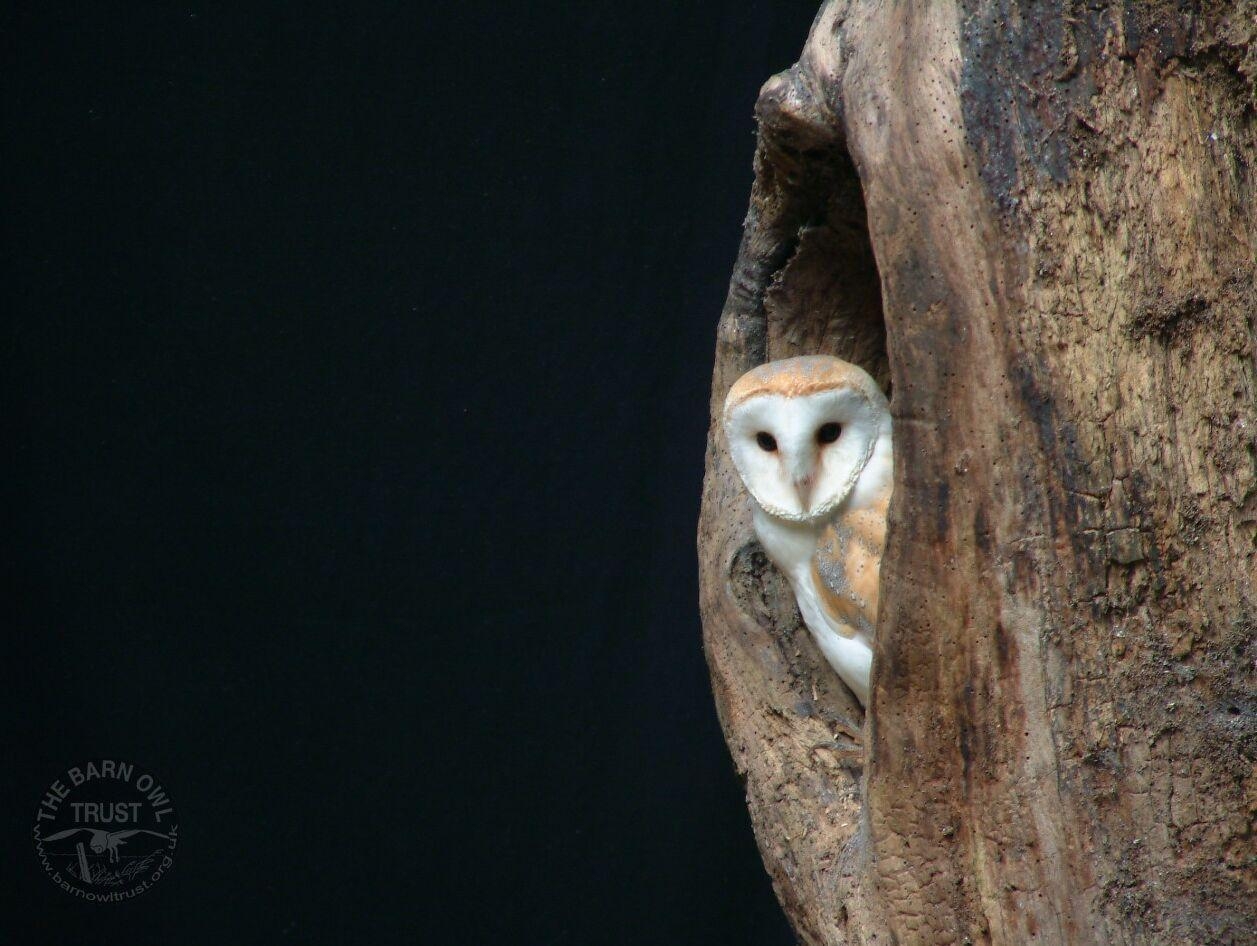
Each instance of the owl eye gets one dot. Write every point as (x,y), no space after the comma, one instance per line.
(766,441)
(829,433)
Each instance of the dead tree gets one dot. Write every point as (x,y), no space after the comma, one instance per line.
(1036,224)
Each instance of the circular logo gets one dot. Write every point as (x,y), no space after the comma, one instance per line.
(106,831)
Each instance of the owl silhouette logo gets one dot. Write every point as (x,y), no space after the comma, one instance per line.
(102,841)
(106,831)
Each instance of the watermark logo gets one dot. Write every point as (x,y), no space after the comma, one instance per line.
(106,831)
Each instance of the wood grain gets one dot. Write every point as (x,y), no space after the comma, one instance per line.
(1034,224)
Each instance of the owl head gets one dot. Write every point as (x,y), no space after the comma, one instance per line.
(801,431)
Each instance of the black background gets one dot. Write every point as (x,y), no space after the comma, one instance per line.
(359,382)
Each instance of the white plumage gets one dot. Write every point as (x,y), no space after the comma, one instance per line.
(811,438)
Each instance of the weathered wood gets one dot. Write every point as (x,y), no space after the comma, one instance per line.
(1045,213)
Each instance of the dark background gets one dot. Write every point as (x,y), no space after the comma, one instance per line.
(359,384)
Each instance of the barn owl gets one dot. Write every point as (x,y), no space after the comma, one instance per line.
(811,439)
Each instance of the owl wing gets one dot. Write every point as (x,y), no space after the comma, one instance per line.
(121,835)
(67,833)
(847,567)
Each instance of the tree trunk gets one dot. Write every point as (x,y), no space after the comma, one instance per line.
(1036,224)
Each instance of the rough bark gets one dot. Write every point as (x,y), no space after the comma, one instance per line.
(1035,224)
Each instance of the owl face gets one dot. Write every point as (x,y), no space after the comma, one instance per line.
(800,432)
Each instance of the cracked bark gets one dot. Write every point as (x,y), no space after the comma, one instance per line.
(1043,213)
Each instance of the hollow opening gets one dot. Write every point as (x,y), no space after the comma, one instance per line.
(825,298)
(806,282)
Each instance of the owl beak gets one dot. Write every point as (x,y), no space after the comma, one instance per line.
(803,487)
